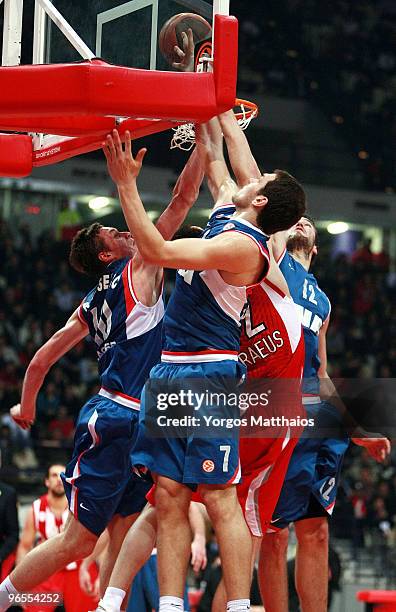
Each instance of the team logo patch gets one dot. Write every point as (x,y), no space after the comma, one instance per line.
(208,465)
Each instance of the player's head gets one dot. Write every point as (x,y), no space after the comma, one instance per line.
(188,231)
(95,247)
(277,198)
(303,236)
(53,480)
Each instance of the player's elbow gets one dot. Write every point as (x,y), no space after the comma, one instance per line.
(182,201)
(154,257)
(152,252)
(39,366)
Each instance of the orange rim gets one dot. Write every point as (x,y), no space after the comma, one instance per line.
(250,108)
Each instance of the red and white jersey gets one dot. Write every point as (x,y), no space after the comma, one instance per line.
(272,348)
(272,341)
(47,524)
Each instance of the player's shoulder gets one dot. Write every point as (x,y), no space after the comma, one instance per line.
(225,211)
(219,217)
(87,300)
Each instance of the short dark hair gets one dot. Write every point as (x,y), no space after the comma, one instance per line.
(188,231)
(84,251)
(286,203)
(49,466)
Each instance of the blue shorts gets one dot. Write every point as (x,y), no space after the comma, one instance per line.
(314,471)
(99,481)
(192,455)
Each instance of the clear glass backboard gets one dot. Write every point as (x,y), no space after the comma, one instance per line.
(124,33)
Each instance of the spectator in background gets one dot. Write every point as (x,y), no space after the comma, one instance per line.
(7,466)
(47,518)
(48,401)
(69,221)
(9,528)
(61,427)
(334,580)
(363,256)
(359,503)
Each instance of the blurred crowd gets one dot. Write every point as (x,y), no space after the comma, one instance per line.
(361,340)
(365,512)
(38,291)
(340,55)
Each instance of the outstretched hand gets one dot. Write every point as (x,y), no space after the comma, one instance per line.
(198,554)
(186,54)
(86,584)
(378,448)
(122,166)
(23,422)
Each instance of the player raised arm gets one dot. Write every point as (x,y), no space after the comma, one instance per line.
(377,446)
(58,345)
(209,140)
(148,274)
(209,137)
(185,194)
(245,169)
(238,254)
(242,161)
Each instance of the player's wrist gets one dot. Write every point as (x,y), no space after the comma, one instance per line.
(199,538)
(127,185)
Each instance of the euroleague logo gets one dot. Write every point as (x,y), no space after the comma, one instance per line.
(208,465)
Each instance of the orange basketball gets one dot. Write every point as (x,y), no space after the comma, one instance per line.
(171,32)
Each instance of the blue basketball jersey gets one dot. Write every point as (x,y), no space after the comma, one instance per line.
(315,308)
(127,334)
(204,312)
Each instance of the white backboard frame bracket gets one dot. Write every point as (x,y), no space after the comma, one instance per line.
(12,32)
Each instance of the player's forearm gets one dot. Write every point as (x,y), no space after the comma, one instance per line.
(197,523)
(242,161)
(184,196)
(32,383)
(148,239)
(329,393)
(210,149)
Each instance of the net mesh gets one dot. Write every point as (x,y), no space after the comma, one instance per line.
(184,135)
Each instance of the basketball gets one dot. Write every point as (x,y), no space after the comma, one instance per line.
(171,33)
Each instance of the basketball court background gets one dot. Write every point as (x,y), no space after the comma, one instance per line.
(347,183)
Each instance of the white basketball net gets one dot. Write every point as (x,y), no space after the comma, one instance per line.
(184,135)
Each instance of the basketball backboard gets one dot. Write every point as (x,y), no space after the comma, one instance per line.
(118,31)
(123,81)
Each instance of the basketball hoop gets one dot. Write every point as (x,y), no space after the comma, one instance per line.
(184,135)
